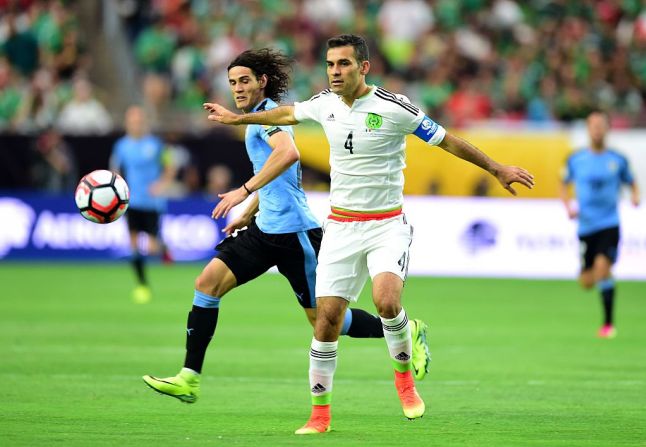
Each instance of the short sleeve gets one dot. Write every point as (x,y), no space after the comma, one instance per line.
(567,175)
(405,115)
(412,120)
(266,132)
(115,157)
(625,173)
(429,131)
(310,109)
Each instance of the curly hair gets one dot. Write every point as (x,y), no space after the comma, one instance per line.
(270,62)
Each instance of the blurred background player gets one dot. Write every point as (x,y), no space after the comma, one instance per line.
(285,234)
(366,233)
(141,159)
(598,173)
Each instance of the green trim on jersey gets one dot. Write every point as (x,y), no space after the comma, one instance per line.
(387,210)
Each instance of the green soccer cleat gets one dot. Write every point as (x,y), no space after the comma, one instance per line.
(421,354)
(185,386)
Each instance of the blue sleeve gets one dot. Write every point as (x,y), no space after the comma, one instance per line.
(568,175)
(116,157)
(265,132)
(625,173)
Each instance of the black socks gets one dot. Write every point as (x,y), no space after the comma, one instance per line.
(365,325)
(200,328)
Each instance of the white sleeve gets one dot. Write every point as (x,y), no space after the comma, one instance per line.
(418,123)
(406,115)
(310,109)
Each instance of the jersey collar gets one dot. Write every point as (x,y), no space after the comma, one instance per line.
(362,98)
(370,93)
(262,105)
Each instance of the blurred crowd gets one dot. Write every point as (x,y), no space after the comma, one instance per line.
(541,61)
(44,71)
(536,62)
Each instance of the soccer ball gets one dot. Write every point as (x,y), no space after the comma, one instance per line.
(102,196)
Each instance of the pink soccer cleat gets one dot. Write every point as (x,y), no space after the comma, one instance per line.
(607,331)
(412,404)
(319,421)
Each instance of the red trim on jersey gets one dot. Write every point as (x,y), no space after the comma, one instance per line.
(357,216)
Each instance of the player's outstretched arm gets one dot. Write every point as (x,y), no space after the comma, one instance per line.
(280,116)
(283,155)
(506,175)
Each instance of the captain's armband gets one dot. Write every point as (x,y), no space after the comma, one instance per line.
(429,131)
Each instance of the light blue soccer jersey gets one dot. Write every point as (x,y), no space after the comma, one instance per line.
(140,162)
(283,205)
(597,178)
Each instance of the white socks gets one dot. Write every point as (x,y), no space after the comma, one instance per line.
(322,367)
(398,338)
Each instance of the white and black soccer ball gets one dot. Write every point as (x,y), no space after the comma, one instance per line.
(102,196)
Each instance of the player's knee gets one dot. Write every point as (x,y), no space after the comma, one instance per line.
(389,309)
(388,305)
(586,281)
(601,273)
(311,317)
(205,284)
(331,320)
(326,323)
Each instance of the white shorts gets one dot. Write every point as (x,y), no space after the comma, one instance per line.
(350,251)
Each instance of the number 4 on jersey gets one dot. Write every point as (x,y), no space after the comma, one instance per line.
(348,143)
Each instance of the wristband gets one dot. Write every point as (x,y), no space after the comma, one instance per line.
(244,185)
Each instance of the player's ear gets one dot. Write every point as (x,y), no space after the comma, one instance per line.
(364,67)
(262,81)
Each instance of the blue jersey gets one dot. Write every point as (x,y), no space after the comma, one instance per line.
(283,205)
(597,178)
(140,162)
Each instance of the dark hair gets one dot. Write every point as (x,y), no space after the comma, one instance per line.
(359,44)
(597,111)
(266,61)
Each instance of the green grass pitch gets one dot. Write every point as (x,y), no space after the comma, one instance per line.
(515,363)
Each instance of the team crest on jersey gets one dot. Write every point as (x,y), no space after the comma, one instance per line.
(373,121)
(612,166)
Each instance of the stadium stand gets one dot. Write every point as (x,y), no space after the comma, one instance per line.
(507,63)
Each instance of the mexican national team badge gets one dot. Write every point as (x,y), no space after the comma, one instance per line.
(373,121)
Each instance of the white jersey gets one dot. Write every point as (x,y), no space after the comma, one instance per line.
(367,145)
